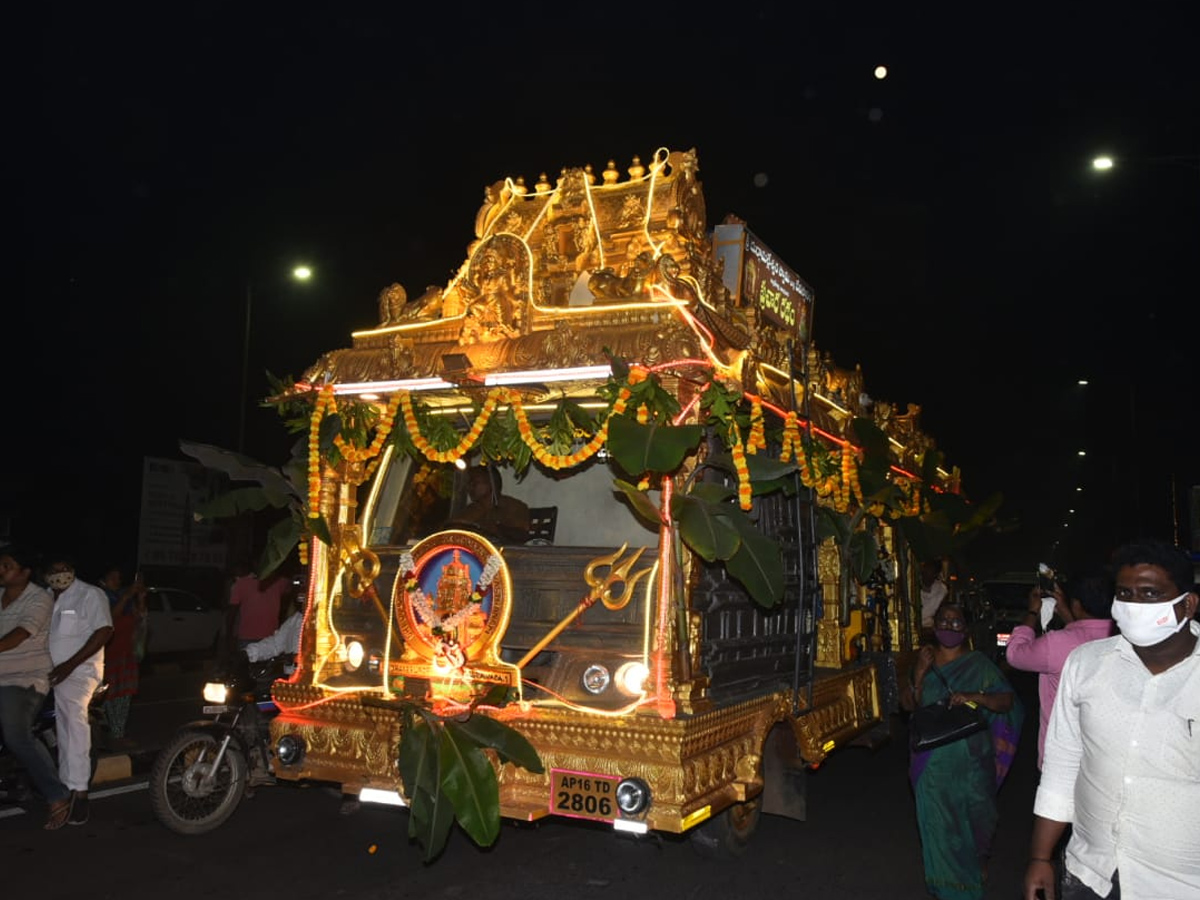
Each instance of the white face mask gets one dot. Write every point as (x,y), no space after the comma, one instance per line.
(60,581)
(1147,624)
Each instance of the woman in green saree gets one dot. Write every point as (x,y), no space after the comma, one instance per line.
(955,785)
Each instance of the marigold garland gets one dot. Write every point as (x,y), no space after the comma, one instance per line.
(757,439)
(325,400)
(740,466)
(464,446)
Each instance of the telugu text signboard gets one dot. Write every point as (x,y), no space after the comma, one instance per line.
(755,276)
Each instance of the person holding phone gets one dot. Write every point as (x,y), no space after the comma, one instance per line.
(1084,605)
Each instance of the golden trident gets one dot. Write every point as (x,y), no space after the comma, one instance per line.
(600,589)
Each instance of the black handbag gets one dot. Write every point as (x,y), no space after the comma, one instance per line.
(940,723)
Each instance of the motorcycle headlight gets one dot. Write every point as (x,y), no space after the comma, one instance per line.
(216,692)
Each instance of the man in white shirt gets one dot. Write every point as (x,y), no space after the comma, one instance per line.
(80,626)
(1122,761)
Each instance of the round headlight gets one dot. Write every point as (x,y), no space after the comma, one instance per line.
(633,796)
(631,678)
(596,679)
(290,749)
(355,652)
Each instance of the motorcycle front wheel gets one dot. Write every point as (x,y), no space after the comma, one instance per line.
(186,793)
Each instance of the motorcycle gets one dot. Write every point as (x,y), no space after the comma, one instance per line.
(15,786)
(210,765)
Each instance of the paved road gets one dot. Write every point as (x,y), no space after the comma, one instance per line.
(290,842)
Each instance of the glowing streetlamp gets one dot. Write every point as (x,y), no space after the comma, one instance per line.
(301,273)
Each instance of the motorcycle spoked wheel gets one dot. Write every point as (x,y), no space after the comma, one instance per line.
(178,794)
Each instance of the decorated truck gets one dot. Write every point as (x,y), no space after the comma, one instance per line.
(688,575)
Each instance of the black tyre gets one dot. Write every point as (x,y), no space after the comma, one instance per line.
(727,835)
(186,794)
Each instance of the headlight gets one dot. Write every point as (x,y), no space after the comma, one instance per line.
(355,653)
(633,796)
(216,692)
(631,678)
(290,749)
(596,679)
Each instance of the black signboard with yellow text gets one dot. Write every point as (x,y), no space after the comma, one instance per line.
(756,277)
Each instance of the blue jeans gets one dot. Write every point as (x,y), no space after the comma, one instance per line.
(1074,889)
(18,708)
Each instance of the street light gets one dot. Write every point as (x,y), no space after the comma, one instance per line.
(301,273)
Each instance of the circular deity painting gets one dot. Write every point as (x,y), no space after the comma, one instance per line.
(460,597)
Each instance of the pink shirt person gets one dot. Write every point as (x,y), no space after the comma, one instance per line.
(1047,654)
(258,603)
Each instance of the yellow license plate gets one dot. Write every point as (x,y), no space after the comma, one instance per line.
(583,795)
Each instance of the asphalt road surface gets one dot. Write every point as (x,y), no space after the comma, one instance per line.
(287,841)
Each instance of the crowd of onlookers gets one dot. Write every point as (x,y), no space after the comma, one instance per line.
(85,642)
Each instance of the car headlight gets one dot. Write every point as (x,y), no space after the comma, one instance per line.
(596,679)
(216,692)
(631,678)
(355,653)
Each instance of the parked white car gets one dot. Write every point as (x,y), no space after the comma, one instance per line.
(179,621)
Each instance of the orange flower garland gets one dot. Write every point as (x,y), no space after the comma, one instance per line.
(352,454)
(739,464)
(464,446)
(757,439)
(325,400)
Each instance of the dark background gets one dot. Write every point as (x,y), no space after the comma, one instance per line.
(961,248)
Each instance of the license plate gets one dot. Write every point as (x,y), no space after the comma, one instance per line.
(215,710)
(583,795)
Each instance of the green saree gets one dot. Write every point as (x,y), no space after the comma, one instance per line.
(955,785)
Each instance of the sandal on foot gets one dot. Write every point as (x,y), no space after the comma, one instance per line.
(79,809)
(59,813)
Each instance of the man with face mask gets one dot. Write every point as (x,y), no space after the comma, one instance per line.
(80,626)
(1122,761)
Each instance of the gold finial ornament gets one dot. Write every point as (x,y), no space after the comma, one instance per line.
(519,186)
(589,174)
(543,184)
(637,170)
(610,174)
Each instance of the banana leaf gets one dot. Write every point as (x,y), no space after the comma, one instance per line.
(757,564)
(705,527)
(430,812)
(468,779)
(642,505)
(650,448)
(510,745)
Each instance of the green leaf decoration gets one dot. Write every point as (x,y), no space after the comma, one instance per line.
(430,811)
(650,448)
(760,466)
(757,564)
(770,486)
(642,504)
(712,492)
(240,500)
(831,524)
(510,745)
(863,555)
(320,529)
(705,527)
(239,467)
(871,438)
(282,539)
(469,780)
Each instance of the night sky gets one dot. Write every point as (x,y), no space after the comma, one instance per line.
(961,248)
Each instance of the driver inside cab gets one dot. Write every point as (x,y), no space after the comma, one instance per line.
(491,512)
